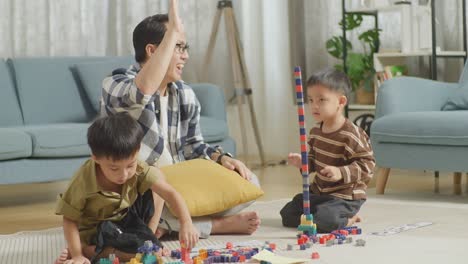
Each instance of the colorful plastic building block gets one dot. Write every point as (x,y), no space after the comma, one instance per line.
(360,242)
(134,261)
(315,255)
(111,260)
(229,245)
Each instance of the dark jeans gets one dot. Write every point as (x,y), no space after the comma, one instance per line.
(330,213)
(130,233)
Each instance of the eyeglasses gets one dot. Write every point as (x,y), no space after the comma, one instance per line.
(182,48)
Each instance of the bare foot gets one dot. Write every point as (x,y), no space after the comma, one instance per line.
(354,219)
(242,223)
(62,257)
(160,232)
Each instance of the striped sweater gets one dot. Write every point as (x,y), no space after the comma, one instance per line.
(349,149)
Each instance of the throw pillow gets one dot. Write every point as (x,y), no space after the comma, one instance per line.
(208,187)
(459,99)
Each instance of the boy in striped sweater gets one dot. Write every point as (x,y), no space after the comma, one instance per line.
(340,154)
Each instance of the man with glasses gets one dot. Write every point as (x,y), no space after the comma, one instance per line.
(154,94)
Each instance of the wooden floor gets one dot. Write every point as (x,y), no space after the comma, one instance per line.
(31,206)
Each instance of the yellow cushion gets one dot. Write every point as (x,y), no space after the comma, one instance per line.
(208,187)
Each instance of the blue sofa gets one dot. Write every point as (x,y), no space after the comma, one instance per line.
(48,104)
(411,131)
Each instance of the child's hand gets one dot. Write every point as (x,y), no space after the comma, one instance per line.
(188,235)
(295,160)
(332,172)
(78,260)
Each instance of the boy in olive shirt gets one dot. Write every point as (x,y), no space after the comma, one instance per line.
(113,187)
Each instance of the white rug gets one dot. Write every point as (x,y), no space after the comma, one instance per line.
(445,241)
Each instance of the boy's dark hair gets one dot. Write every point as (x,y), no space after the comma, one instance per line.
(149,31)
(117,136)
(334,79)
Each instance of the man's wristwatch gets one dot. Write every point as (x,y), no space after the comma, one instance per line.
(221,152)
(218,160)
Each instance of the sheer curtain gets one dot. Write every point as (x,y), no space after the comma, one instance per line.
(90,27)
(265,34)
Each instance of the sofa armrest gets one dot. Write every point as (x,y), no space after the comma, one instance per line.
(410,94)
(211,99)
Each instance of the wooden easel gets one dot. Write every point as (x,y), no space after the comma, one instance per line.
(241,77)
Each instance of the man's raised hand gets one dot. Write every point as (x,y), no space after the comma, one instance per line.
(175,23)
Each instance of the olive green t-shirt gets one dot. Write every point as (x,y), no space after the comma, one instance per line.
(86,203)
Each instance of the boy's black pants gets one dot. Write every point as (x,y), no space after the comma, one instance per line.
(130,233)
(330,213)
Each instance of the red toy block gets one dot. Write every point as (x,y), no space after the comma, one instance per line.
(272,246)
(344,232)
(323,240)
(185,254)
(300,241)
(228,245)
(315,255)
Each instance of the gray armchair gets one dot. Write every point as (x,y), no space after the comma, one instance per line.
(412,132)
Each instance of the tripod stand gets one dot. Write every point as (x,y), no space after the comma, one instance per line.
(241,78)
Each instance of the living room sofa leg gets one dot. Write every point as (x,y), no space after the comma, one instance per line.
(436,181)
(382,177)
(466,183)
(457,183)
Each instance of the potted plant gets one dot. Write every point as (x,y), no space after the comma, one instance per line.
(360,66)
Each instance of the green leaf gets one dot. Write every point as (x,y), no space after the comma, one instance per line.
(335,46)
(370,37)
(352,21)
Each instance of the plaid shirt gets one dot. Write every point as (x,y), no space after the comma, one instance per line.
(120,94)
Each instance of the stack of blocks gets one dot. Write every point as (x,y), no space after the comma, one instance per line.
(146,255)
(227,255)
(307,226)
(111,260)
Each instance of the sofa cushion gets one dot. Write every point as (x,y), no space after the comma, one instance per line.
(427,128)
(47,90)
(59,140)
(213,129)
(15,144)
(11,112)
(91,75)
(211,98)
